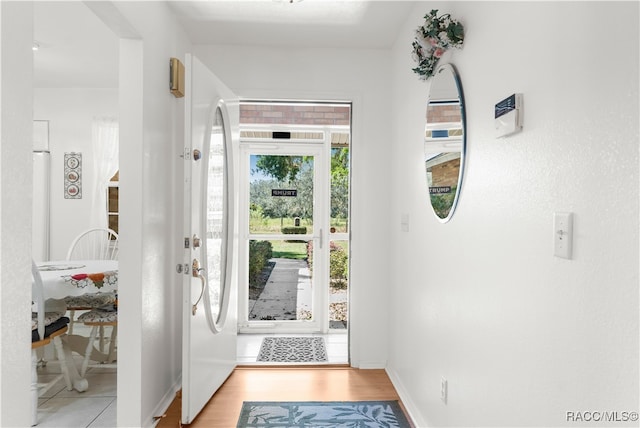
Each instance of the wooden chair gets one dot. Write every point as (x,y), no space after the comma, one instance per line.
(46,327)
(93,244)
(97,319)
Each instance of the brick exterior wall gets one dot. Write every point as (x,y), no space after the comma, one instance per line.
(292,114)
(439,113)
(446,174)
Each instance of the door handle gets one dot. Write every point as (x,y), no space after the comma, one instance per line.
(320,239)
(196,272)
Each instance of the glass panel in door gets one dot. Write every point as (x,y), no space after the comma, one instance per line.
(338,284)
(217,224)
(281,194)
(280,280)
(339,232)
(282,233)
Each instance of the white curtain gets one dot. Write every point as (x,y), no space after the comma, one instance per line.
(105,165)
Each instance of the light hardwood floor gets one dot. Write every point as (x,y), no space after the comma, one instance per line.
(317,383)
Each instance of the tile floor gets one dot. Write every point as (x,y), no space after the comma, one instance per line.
(93,408)
(96,407)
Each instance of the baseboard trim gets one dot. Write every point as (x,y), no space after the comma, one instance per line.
(407,402)
(164,404)
(371,365)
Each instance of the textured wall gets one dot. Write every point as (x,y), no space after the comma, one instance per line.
(151,136)
(521,336)
(16,179)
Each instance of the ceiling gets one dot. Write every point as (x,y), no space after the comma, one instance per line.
(308,23)
(78,50)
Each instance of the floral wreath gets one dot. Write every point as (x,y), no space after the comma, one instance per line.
(433,39)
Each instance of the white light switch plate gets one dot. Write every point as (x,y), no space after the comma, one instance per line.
(444,389)
(563,235)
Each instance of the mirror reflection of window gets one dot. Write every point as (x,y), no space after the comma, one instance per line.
(444,142)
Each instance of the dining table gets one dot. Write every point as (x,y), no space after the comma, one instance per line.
(61,278)
(78,277)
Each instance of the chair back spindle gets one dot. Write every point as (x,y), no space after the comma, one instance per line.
(94,244)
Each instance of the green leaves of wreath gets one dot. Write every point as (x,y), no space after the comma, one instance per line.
(433,39)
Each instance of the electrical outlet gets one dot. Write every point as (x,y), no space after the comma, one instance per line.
(443,390)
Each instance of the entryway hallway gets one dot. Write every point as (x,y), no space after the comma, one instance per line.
(287,384)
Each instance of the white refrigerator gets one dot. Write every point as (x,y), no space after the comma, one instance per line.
(41,191)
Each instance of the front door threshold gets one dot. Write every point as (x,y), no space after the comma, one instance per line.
(278,329)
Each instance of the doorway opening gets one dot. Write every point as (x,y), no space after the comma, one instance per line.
(75,109)
(294,225)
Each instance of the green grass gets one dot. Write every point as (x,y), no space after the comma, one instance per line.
(289,250)
(272,225)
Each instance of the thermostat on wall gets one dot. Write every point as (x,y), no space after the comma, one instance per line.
(508,115)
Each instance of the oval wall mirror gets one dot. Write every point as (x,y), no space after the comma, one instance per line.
(444,141)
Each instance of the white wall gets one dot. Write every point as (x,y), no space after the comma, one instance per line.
(151,138)
(361,76)
(16,130)
(70,112)
(521,336)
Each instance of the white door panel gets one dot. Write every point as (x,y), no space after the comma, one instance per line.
(210,280)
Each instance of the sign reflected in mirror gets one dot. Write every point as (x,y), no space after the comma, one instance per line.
(444,141)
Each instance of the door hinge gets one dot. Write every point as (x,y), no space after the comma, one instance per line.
(187,243)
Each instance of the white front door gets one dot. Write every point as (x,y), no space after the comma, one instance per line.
(210,280)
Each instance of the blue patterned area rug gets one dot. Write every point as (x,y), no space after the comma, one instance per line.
(334,414)
(292,350)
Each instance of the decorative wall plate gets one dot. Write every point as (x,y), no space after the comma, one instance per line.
(73,175)
(73,162)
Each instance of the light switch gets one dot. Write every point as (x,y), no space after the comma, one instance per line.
(444,390)
(562,235)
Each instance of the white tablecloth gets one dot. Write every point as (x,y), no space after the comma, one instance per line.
(76,277)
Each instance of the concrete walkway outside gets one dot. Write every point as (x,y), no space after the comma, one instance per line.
(287,294)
